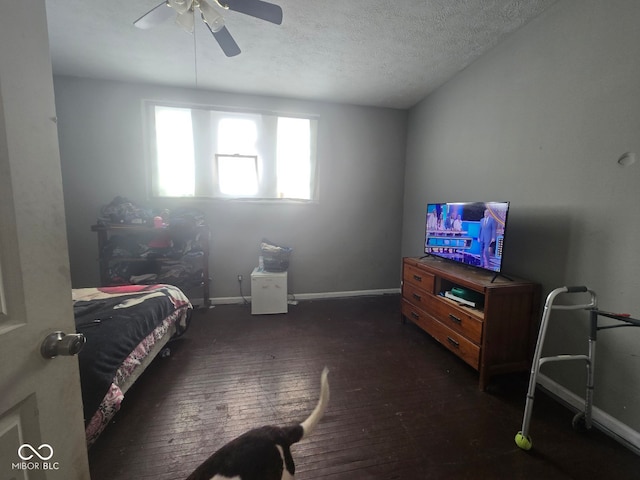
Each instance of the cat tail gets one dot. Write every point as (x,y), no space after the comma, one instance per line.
(309,424)
(295,433)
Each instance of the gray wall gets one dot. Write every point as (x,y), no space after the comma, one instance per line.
(348,241)
(541,121)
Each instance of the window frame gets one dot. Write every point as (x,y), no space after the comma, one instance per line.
(206,181)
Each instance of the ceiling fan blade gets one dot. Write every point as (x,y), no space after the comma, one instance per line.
(155,16)
(256,8)
(226,41)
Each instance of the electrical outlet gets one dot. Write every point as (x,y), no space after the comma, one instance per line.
(239,278)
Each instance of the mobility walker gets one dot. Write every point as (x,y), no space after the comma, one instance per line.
(582,420)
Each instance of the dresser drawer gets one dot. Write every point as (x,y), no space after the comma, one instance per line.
(446,312)
(456,318)
(415,295)
(413,313)
(468,351)
(418,278)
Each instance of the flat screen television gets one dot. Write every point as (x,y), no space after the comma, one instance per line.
(472,233)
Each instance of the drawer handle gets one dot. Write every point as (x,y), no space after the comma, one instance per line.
(415,315)
(455,319)
(453,342)
(417,278)
(417,297)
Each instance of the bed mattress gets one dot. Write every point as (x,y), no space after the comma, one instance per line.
(123,326)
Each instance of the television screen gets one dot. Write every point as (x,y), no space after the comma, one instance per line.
(469,233)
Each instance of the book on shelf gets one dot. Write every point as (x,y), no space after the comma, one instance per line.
(463,301)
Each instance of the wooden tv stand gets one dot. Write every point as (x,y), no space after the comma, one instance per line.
(495,337)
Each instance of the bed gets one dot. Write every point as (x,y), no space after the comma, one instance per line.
(125,327)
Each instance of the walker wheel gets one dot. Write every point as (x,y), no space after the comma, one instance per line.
(579,423)
(523,442)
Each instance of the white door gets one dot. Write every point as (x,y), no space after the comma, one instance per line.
(41,420)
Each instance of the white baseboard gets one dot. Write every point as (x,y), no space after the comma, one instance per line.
(611,426)
(352,293)
(308,296)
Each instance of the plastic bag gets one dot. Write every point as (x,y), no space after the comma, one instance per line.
(275,258)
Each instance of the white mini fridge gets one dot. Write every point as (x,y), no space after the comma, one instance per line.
(268,292)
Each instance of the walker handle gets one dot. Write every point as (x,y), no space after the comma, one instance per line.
(577,289)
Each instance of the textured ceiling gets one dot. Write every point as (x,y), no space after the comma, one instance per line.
(364,52)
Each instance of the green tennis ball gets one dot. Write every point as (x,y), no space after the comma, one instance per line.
(523,442)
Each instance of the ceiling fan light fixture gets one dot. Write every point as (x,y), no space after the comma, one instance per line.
(180,6)
(224,6)
(186,21)
(210,16)
(213,20)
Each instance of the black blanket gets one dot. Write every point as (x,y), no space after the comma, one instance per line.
(112,334)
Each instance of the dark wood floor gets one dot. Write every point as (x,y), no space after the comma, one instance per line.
(402,407)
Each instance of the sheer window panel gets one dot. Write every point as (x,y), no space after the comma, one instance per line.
(294,158)
(175,159)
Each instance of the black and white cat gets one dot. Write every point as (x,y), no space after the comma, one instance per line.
(263,453)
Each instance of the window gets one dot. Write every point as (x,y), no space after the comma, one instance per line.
(205,152)
(294,143)
(237,174)
(175,165)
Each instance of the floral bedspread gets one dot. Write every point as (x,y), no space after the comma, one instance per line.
(121,325)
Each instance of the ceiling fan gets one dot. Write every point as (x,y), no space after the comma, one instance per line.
(214,21)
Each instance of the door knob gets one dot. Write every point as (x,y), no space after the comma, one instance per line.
(59,343)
